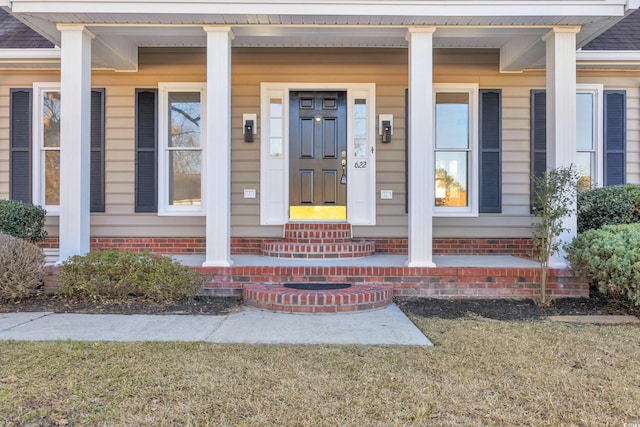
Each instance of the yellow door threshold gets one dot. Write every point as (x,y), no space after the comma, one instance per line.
(311,213)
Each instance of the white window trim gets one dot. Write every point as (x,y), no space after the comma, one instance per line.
(164,209)
(37,162)
(472,210)
(598,122)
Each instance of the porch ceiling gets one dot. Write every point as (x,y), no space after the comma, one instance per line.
(515,27)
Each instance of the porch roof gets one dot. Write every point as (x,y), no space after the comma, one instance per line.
(515,27)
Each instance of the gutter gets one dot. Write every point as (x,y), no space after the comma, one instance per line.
(33,57)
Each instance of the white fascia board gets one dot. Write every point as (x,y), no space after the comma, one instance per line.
(615,56)
(333,7)
(608,60)
(31,54)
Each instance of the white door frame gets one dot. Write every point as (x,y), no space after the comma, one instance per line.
(274,152)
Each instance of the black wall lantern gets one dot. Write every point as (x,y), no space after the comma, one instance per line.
(248,126)
(385,127)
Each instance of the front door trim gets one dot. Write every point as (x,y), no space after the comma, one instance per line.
(274,152)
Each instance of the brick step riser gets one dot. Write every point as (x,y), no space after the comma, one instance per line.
(280,298)
(312,237)
(317,231)
(312,226)
(317,241)
(317,248)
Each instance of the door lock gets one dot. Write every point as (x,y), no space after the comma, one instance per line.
(344,154)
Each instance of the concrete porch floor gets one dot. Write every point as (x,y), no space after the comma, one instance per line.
(378,260)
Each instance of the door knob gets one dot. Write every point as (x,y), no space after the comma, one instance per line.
(344,162)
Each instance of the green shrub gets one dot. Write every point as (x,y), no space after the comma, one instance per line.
(113,275)
(21,268)
(610,258)
(618,204)
(22,220)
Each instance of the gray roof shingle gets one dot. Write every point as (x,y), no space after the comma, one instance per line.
(625,35)
(15,35)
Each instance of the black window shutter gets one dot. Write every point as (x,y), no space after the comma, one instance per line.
(146,173)
(538,136)
(20,144)
(97,151)
(615,137)
(490,151)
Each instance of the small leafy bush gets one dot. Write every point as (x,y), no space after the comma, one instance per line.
(555,196)
(22,220)
(113,275)
(21,268)
(618,204)
(610,258)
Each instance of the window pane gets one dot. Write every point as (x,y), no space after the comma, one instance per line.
(584,120)
(184,122)
(52,177)
(275,139)
(360,108)
(360,128)
(275,105)
(51,119)
(452,120)
(360,137)
(185,178)
(275,147)
(585,170)
(451,178)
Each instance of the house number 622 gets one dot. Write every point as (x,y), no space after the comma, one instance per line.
(361,165)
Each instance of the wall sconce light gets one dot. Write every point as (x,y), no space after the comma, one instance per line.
(249,122)
(385,127)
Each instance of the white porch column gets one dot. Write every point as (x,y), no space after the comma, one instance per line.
(421,145)
(218,146)
(561,113)
(75,110)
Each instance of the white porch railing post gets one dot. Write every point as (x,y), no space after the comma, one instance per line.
(218,147)
(561,113)
(75,128)
(421,145)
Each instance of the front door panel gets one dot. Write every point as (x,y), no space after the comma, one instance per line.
(318,143)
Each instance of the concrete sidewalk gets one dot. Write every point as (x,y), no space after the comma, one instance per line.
(387,326)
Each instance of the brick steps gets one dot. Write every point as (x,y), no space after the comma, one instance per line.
(283,299)
(438,282)
(316,241)
(318,250)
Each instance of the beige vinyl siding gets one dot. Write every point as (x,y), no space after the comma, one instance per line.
(387,68)
(119,218)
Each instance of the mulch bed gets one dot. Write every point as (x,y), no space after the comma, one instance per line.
(498,309)
(510,309)
(199,305)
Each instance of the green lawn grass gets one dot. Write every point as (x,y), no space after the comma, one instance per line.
(479,373)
